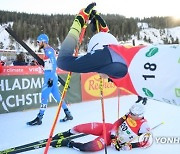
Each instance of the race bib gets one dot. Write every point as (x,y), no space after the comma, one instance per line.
(47,64)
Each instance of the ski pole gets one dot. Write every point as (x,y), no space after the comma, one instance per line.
(64,93)
(118,102)
(157,125)
(30,51)
(102,102)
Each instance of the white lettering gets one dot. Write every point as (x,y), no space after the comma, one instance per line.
(22,83)
(35,98)
(8,101)
(7,85)
(21,100)
(18,100)
(25,83)
(14,70)
(36,84)
(16,84)
(157,139)
(168,140)
(29,100)
(177,140)
(2,85)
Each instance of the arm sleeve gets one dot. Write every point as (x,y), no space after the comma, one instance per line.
(116,125)
(144,129)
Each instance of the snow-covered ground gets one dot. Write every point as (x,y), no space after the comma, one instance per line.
(14,131)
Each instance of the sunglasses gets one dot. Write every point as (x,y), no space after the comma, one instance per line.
(133,114)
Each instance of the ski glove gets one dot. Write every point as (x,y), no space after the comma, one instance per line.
(126,146)
(101,23)
(115,142)
(50,83)
(84,14)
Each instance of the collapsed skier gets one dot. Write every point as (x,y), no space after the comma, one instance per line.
(50,81)
(119,134)
(137,69)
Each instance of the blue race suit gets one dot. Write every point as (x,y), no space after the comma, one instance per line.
(50,73)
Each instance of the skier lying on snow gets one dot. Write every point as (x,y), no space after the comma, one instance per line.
(119,134)
(139,69)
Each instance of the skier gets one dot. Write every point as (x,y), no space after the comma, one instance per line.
(121,134)
(120,63)
(50,81)
(111,64)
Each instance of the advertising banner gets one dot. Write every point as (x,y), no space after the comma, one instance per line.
(21,90)
(90,87)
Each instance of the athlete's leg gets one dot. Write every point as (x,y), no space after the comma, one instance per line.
(56,94)
(95,129)
(44,101)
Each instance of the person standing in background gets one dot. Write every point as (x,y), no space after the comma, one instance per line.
(50,81)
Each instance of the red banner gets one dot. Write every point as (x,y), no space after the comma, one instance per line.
(25,70)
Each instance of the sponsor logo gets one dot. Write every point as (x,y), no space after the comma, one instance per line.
(146,140)
(152,52)
(177,91)
(131,122)
(148,92)
(92,84)
(99,144)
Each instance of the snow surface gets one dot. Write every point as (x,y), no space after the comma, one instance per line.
(14,131)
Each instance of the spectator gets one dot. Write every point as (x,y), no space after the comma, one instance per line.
(3,60)
(20,60)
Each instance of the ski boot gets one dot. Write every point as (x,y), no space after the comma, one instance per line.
(62,135)
(36,121)
(60,139)
(62,143)
(139,99)
(67,117)
(144,101)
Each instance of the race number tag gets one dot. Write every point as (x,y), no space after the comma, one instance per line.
(47,64)
(157,72)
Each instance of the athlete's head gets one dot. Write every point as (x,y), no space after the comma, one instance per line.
(137,110)
(99,40)
(42,39)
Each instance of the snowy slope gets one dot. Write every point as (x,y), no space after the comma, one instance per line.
(13,130)
(155,35)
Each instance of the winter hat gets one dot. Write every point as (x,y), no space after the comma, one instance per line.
(137,110)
